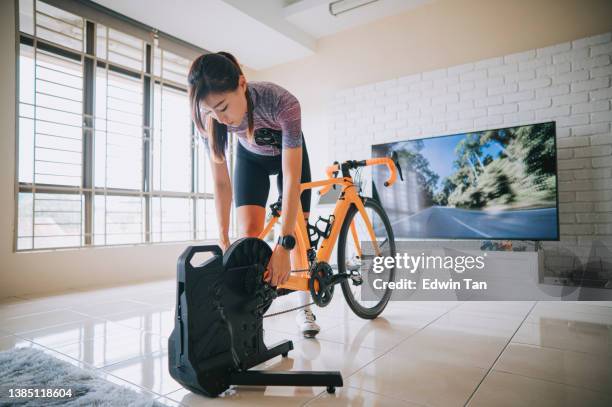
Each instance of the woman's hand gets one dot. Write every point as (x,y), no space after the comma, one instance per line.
(224,243)
(279,267)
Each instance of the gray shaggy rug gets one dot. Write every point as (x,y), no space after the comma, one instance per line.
(26,368)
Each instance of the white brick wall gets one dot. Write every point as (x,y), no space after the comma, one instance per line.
(569,83)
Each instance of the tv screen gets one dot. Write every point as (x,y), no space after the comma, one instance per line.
(491,184)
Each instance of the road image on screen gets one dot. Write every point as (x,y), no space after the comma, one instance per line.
(492,184)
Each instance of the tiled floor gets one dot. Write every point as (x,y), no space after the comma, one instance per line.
(415,354)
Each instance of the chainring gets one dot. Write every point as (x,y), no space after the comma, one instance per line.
(322,274)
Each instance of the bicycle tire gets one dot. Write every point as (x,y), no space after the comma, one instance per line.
(358,309)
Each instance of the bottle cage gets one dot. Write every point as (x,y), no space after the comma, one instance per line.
(315,233)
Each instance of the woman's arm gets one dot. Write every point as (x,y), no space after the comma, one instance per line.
(292,174)
(223,199)
(279,266)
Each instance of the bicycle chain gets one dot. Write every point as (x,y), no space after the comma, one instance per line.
(289,310)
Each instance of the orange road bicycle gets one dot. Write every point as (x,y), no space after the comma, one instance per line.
(355,219)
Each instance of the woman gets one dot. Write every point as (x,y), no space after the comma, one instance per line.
(267,120)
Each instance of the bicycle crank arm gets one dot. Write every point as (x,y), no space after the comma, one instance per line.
(338,278)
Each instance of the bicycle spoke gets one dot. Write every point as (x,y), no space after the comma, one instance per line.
(384,242)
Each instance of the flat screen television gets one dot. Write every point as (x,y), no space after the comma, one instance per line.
(490,184)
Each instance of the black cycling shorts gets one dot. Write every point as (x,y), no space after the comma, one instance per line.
(252,177)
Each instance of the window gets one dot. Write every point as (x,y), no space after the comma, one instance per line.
(107,153)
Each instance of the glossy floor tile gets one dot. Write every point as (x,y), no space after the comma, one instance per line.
(564,313)
(418,378)
(286,322)
(381,333)
(318,354)
(401,314)
(159,321)
(567,335)
(248,396)
(27,307)
(418,353)
(110,307)
(453,347)
(149,372)
(162,298)
(590,307)
(350,396)
(476,323)
(498,309)
(31,322)
(509,390)
(559,366)
(79,331)
(107,350)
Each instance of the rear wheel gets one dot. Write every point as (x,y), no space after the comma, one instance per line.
(354,263)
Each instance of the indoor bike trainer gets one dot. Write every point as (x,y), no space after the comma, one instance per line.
(218,332)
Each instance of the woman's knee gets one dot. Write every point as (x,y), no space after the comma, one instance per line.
(250,220)
(250,230)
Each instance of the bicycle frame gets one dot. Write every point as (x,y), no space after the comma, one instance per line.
(298,280)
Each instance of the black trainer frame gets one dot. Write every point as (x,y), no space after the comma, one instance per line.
(218,332)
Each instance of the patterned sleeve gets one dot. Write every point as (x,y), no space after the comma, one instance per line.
(289,117)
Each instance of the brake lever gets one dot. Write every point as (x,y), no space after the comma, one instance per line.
(395,159)
(335,173)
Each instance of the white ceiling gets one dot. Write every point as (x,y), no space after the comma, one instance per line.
(314,18)
(261,33)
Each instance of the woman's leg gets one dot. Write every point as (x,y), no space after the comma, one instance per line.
(305,202)
(305,319)
(251,188)
(250,220)
(304,296)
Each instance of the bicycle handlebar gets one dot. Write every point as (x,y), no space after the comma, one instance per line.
(391,164)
